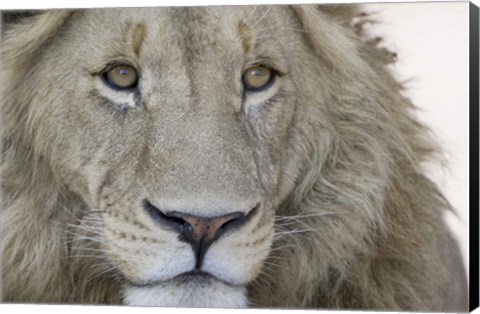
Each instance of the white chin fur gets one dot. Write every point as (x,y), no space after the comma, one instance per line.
(211,294)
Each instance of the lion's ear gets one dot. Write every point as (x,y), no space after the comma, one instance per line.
(25,31)
(329,37)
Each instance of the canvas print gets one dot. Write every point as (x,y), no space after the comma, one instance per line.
(221,156)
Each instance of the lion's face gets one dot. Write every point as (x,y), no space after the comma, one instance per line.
(176,126)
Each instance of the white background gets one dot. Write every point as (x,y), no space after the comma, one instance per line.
(431,40)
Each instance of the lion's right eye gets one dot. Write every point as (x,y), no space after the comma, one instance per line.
(258,78)
(121,77)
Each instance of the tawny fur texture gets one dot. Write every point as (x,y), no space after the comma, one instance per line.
(347,217)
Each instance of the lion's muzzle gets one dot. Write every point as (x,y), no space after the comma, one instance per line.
(200,232)
(200,259)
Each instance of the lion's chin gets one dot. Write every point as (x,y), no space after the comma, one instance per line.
(196,292)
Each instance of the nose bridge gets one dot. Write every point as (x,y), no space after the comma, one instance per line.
(203,162)
(219,135)
(215,142)
(202,155)
(219,147)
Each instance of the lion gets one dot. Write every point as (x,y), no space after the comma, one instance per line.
(226,157)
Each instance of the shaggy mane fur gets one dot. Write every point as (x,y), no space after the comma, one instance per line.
(363,228)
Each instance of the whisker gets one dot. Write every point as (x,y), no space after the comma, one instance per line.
(86,228)
(100,265)
(84,256)
(89,249)
(113,268)
(84,238)
(295,217)
(282,234)
(262,17)
(261,281)
(277,265)
(247,19)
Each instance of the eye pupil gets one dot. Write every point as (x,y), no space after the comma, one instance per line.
(121,77)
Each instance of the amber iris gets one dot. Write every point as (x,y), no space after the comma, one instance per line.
(122,77)
(257,78)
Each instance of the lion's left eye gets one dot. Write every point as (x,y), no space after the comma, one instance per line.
(122,77)
(258,78)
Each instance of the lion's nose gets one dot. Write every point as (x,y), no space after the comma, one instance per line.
(199,232)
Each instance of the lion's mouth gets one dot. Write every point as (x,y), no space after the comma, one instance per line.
(196,277)
(194,288)
(193,277)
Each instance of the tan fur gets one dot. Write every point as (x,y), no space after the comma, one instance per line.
(138,36)
(331,152)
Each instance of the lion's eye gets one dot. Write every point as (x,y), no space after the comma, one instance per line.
(122,77)
(258,78)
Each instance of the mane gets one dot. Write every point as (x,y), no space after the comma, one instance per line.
(362,215)
(36,208)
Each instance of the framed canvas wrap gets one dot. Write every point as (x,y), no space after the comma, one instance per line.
(301,156)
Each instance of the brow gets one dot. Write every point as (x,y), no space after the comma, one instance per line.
(137,35)
(246,36)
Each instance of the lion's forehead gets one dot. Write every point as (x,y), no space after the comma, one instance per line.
(183,18)
(193,29)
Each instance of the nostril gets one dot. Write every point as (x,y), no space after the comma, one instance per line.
(154,212)
(176,220)
(196,227)
(172,221)
(199,232)
(235,220)
(238,219)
